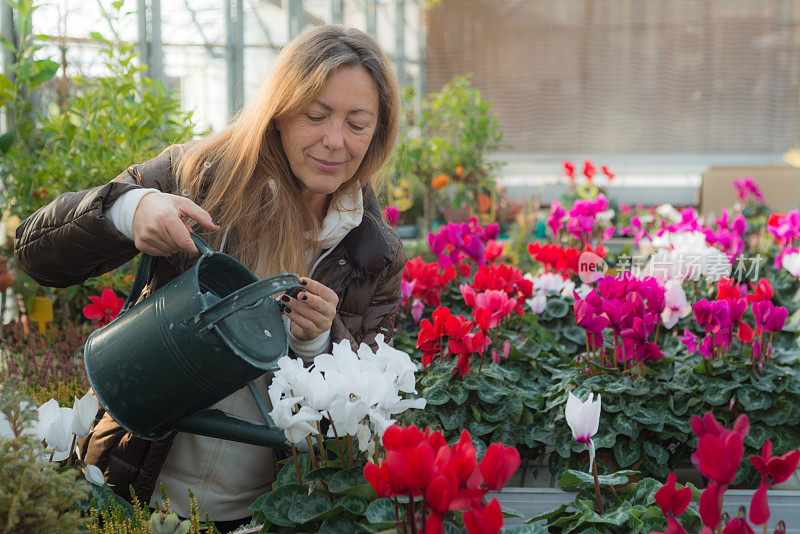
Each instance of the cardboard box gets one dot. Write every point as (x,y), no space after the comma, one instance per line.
(780,185)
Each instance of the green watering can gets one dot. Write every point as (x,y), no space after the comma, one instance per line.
(159,365)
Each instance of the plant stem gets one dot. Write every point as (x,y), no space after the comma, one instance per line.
(296,465)
(311,452)
(350,450)
(338,442)
(411,511)
(72,450)
(323,453)
(397,515)
(597,487)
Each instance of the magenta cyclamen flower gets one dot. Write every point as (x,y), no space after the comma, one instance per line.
(745,187)
(711,316)
(392,215)
(588,319)
(635,339)
(557,214)
(690,340)
(769,318)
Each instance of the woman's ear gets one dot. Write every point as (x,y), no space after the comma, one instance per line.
(277,124)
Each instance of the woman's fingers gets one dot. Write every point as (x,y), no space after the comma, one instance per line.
(321,320)
(159,228)
(314,308)
(180,235)
(189,209)
(321,290)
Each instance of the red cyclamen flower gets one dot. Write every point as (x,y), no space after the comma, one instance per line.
(673,501)
(773,470)
(484,520)
(498,464)
(104,307)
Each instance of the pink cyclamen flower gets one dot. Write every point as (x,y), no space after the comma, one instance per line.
(392,215)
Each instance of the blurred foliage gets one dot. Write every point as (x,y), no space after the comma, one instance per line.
(451,135)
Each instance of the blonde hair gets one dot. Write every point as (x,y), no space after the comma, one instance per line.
(241,175)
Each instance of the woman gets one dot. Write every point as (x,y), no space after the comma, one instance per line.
(287,187)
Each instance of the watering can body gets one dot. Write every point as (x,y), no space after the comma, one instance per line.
(207,333)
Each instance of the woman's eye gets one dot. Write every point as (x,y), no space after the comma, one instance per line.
(356,127)
(314,118)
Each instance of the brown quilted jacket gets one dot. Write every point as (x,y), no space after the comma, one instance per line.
(70,240)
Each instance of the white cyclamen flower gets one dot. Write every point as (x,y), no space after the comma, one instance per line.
(93,475)
(297,425)
(85,410)
(537,303)
(583,419)
(791,262)
(675,304)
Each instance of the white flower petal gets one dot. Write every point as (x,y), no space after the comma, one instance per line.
(93,475)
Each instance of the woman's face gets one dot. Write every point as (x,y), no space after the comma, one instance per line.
(326,142)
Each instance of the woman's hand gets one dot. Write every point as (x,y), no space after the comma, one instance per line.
(159,227)
(313,310)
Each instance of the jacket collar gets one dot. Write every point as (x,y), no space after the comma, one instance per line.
(366,244)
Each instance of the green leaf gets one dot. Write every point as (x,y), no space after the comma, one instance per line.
(626,453)
(313,507)
(436,395)
(492,393)
(452,417)
(658,452)
(457,392)
(353,504)
(626,425)
(382,511)
(752,399)
(496,412)
(276,505)
(6,140)
(44,70)
(572,478)
(524,529)
(288,475)
(474,382)
(340,524)
(478,428)
(351,482)
(558,308)
(576,334)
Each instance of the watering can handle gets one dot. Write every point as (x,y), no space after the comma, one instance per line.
(251,295)
(144,272)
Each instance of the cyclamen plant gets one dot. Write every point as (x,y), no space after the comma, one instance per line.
(456,242)
(722,319)
(59,428)
(718,457)
(358,392)
(630,307)
(438,479)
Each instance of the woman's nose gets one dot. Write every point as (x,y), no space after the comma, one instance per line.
(333,138)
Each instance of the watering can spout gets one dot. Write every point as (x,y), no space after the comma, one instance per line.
(217,424)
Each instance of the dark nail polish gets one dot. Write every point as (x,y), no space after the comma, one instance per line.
(303,282)
(285,298)
(304,297)
(287,309)
(215,223)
